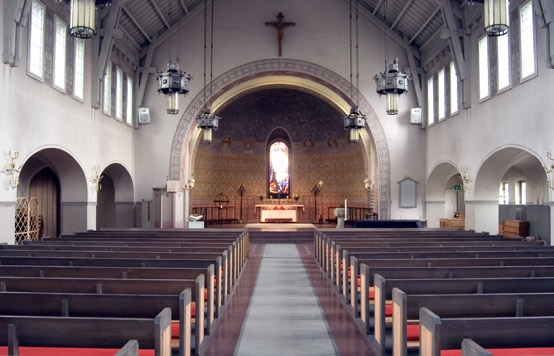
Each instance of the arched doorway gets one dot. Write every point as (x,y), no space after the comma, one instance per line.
(45,186)
(513,169)
(60,184)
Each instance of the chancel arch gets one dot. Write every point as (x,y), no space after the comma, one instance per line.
(302,77)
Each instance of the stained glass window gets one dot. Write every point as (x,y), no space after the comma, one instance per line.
(279,172)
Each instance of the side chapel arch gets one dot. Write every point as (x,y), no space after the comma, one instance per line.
(285,72)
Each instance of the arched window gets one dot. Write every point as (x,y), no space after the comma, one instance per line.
(279,170)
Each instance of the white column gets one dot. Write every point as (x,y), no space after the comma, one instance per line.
(187,203)
(179,202)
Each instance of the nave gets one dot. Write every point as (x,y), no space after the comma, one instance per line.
(345,336)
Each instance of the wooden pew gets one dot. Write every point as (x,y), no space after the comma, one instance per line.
(233,258)
(337,253)
(203,321)
(383,293)
(440,273)
(391,241)
(322,237)
(439,334)
(110,306)
(359,297)
(226,272)
(406,307)
(81,333)
(471,348)
(345,261)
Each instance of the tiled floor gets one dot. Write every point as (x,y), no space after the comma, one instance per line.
(347,337)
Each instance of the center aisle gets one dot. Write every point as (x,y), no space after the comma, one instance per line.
(348,340)
(284,316)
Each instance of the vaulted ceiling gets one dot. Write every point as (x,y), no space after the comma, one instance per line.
(423,27)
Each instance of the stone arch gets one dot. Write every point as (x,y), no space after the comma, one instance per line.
(301,75)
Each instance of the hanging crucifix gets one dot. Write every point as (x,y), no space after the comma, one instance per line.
(280,25)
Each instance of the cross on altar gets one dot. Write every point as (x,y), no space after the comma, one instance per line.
(280,25)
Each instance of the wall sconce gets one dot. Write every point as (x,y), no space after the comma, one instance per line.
(208,123)
(83,16)
(96,177)
(367,184)
(496,17)
(392,83)
(190,184)
(549,170)
(172,83)
(12,172)
(354,122)
(464,176)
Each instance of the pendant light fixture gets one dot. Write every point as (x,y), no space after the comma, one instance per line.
(206,120)
(354,121)
(173,82)
(83,16)
(497,17)
(392,82)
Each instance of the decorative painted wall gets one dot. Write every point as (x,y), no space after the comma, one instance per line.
(320,152)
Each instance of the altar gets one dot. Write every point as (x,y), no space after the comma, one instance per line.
(278,212)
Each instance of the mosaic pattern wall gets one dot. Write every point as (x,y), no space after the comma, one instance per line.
(320,152)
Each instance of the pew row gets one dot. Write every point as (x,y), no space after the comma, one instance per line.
(444,336)
(406,308)
(337,258)
(346,264)
(383,294)
(359,297)
(203,315)
(31,335)
(110,306)
(218,287)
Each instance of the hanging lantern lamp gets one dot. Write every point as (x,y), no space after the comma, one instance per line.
(83,17)
(497,17)
(172,83)
(392,83)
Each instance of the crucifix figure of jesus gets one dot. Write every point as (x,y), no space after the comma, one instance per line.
(280,25)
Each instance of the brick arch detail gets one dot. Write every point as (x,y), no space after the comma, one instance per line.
(294,68)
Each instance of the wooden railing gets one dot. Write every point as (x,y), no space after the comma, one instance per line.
(214,214)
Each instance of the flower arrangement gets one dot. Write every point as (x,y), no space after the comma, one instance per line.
(296,197)
(261,196)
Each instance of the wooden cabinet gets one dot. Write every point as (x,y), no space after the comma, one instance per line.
(514,228)
(452,223)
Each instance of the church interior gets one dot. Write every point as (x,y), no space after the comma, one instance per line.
(290,122)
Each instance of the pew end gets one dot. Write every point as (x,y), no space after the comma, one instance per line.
(446,334)
(131,348)
(471,348)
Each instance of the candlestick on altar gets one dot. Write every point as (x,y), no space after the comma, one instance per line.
(345,210)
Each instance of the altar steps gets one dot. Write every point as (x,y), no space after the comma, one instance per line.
(275,236)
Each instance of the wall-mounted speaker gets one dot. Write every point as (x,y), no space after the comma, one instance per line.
(415,116)
(144,115)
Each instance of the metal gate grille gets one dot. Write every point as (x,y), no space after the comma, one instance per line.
(27,224)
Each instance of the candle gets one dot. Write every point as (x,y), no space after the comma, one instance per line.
(345,210)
